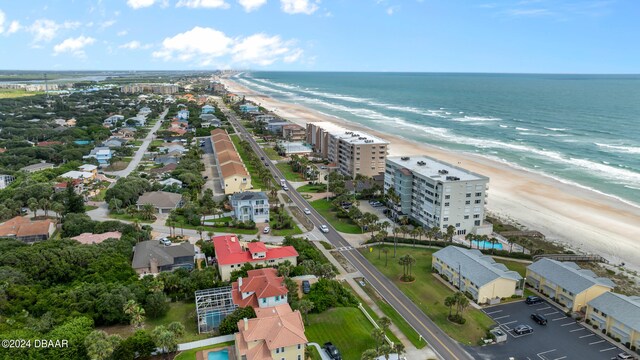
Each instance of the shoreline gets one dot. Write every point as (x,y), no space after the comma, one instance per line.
(581,219)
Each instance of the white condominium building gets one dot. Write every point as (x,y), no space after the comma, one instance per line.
(438,194)
(353,152)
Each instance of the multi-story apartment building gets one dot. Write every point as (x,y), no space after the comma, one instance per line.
(618,315)
(438,194)
(353,152)
(165,89)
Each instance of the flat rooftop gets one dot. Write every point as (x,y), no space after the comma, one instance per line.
(351,136)
(434,169)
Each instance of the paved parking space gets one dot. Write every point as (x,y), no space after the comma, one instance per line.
(561,338)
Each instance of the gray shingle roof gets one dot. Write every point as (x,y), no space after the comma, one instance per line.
(568,275)
(160,199)
(146,250)
(625,309)
(478,268)
(249,195)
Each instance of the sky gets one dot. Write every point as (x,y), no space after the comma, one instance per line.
(513,36)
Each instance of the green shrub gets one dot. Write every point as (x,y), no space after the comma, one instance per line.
(326,294)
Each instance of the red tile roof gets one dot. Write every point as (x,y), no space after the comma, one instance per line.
(263,283)
(49,143)
(229,251)
(256,247)
(23,227)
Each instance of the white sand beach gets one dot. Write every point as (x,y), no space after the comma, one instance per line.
(582,219)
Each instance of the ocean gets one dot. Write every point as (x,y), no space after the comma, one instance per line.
(579,129)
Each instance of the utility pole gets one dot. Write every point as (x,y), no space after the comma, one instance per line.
(459,278)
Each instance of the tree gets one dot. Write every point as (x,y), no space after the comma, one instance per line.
(378,336)
(140,345)
(165,339)
(100,345)
(462,302)
(386,256)
(45,205)
(384,323)
(305,306)
(469,237)
(156,304)
(369,354)
(147,212)
(407,262)
(385,350)
(33,206)
(229,325)
(451,230)
(396,231)
(136,314)
(73,203)
(449,302)
(200,230)
(399,349)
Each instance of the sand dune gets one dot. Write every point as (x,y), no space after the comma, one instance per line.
(582,219)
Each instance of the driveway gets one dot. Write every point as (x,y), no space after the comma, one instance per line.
(323,354)
(561,338)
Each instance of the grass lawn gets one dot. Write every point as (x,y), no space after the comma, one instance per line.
(127,217)
(326,210)
(16,93)
(118,165)
(316,188)
(89,207)
(191,354)
(255,179)
(100,196)
(428,293)
(519,267)
(156,143)
(137,143)
(398,320)
(285,232)
(375,317)
(207,227)
(272,154)
(288,173)
(347,328)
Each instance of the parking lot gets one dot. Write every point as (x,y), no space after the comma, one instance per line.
(561,338)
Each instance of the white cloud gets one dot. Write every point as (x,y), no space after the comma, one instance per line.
(122,33)
(46,30)
(198,41)
(299,6)
(391,10)
(14,27)
(138,4)
(108,23)
(209,47)
(74,46)
(260,49)
(251,5)
(211,4)
(2,19)
(132,45)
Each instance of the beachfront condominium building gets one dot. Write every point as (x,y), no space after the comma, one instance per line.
(618,315)
(566,283)
(353,152)
(165,89)
(437,194)
(477,274)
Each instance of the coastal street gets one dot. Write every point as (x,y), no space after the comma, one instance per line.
(442,344)
(142,149)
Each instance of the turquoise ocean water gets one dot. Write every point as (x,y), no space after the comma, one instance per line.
(581,129)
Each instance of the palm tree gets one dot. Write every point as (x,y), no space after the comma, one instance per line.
(210,234)
(164,339)
(305,306)
(469,237)
(57,208)
(461,302)
(386,256)
(136,312)
(378,336)
(432,233)
(369,354)
(385,349)
(399,349)
(45,204)
(100,345)
(384,323)
(147,212)
(493,242)
(396,230)
(33,205)
(451,230)
(449,301)
(511,240)
(200,230)
(417,232)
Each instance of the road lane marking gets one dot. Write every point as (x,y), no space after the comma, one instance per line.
(567,324)
(510,322)
(611,348)
(501,317)
(560,318)
(560,358)
(584,336)
(544,308)
(493,312)
(580,329)
(551,313)
(596,342)
(544,352)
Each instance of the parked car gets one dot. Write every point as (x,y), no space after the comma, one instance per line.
(205,177)
(324,228)
(266,229)
(306,286)
(332,351)
(261,157)
(625,356)
(523,329)
(306,211)
(539,319)
(533,300)
(165,241)
(285,188)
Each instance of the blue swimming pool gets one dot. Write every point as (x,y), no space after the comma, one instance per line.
(219,355)
(486,245)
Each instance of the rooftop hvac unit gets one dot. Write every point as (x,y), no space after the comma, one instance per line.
(404,158)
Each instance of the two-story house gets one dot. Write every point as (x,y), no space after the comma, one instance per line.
(260,289)
(250,206)
(151,257)
(617,315)
(102,154)
(208,109)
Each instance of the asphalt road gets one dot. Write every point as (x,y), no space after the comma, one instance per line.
(442,344)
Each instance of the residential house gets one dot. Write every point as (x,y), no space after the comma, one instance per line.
(126,133)
(101,153)
(208,117)
(144,111)
(112,120)
(183,114)
(60,122)
(211,123)
(208,109)
(6,180)
(89,168)
(276,333)
(438,194)
(48,143)
(476,274)
(85,176)
(164,169)
(260,289)
(250,206)
(166,160)
(151,257)
(78,186)
(38,167)
(71,122)
(231,255)
(276,127)
(247,108)
(566,283)
(172,148)
(114,142)
(617,315)
(24,229)
(162,201)
(137,121)
(294,132)
(90,238)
